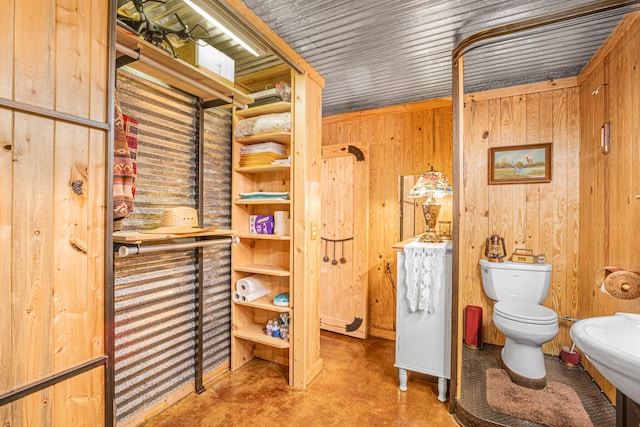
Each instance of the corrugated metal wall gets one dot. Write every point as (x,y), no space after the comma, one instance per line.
(155,294)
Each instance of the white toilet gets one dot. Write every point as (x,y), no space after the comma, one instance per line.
(518,290)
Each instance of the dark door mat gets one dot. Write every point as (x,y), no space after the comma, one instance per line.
(472,408)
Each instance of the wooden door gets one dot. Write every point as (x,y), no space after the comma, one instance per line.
(343,266)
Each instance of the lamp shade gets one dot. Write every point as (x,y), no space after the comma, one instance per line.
(431,181)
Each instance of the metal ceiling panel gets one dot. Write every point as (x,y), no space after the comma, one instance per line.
(378,53)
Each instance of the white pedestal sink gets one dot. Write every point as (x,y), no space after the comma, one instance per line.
(612,345)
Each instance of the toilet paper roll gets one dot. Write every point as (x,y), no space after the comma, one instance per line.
(236,297)
(254,295)
(281,221)
(252,284)
(618,282)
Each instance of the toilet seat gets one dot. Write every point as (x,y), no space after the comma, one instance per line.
(525,312)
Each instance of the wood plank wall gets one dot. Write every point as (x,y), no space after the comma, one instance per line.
(400,140)
(52,242)
(609,184)
(541,217)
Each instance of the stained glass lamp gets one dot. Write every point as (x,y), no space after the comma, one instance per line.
(431,184)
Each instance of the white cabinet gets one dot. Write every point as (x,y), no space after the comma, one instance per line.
(423,340)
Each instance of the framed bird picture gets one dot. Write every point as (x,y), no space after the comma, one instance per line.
(520,164)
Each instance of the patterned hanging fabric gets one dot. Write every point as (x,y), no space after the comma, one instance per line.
(123,168)
(131,133)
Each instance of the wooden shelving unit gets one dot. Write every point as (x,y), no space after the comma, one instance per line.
(275,107)
(263,169)
(256,334)
(270,270)
(265,254)
(262,202)
(281,137)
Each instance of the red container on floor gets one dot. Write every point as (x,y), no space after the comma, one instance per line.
(473,327)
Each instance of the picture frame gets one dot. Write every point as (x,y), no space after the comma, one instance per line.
(520,164)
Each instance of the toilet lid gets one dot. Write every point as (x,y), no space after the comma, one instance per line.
(525,312)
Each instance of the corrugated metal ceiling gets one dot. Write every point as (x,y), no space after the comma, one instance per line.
(387,52)
(377,53)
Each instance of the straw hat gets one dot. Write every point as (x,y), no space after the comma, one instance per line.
(180,220)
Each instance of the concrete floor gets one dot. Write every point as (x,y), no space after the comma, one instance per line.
(358,387)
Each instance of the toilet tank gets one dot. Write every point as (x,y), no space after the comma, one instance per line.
(515,281)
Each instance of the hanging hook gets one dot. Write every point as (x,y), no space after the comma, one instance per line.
(596,90)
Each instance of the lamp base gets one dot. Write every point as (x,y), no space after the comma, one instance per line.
(430,236)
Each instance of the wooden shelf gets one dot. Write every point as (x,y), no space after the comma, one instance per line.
(265,303)
(177,72)
(281,137)
(271,270)
(135,237)
(257,334)
(263,236)
(274,107)
(265,168)
(262,202)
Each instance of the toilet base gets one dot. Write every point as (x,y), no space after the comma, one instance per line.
(532,383)
(524,364)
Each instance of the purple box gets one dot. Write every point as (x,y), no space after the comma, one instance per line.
(261,224)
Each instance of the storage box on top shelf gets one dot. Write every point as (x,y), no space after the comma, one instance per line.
(205,56)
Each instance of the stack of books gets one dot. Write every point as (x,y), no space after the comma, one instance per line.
(265,153)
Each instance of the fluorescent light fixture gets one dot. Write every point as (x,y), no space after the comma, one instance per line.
(222,28)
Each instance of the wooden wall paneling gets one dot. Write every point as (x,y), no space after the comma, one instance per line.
(542,217)
(382,301)
(532,207)
(592,252)
(73,331)
(53,238)
(34,70)
(620,159)
(96,286)
(547,196)
(33,176)
(99,60)
(557,187)
(385,166)
(6,168)
(80,399)
(496,224)
(6,246)
(609,211)
(33,195)
(402,140)
(474,221)
(73,53)
(423,142)
(590,181)
(572,225)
